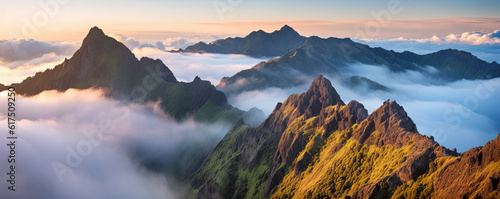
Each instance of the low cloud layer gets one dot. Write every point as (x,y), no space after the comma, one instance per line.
(80,144)
(472,38)
(212,67)
(168,44)
(458,114)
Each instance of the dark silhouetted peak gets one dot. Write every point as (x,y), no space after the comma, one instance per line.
(95,35)
(286,28)
(197,79)
(95,31)
(257,44)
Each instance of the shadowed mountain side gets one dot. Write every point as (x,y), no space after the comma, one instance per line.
(333,56)
(315,146)
(104,63)
(256,44)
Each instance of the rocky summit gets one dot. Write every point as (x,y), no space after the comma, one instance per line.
(315,146)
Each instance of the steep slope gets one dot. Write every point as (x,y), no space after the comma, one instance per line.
(315,146)
(102,62)
(473,174)
(333,56)
(256,44)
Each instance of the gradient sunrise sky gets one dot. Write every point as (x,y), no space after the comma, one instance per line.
(148,19)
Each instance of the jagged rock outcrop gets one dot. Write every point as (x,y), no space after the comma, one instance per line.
(474,174)
(315,146)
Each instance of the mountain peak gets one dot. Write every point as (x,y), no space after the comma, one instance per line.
(323,88)
(320,95)
(96,32)
(392,121)
(286,28)
(288,31)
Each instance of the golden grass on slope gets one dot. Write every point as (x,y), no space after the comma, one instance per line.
(341,166)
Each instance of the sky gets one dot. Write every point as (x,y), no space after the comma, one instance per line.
(71,19)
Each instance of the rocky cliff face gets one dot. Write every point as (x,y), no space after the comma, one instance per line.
(315,146)
(474,174)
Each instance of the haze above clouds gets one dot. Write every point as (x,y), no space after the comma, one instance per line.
(105,134)
(486,46)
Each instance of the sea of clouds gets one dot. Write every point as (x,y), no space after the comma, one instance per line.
(79,143)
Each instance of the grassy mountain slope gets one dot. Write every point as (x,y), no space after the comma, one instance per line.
(315,146)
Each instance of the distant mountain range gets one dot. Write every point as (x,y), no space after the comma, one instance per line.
(256,44)
(102,62)
(315,146)
(333,56)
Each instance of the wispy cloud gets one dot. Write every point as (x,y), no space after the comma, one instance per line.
(485,45)
(212,67)
(16,53)
(171,43)
(472,38)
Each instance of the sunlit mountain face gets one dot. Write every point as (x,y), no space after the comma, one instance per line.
(260,99)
